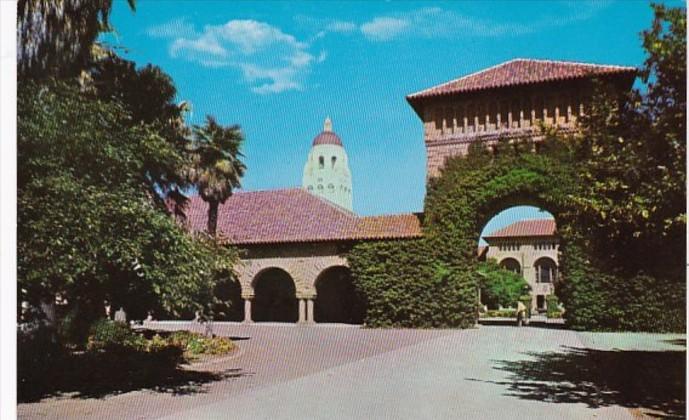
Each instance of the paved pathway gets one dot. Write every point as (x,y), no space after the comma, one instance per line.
(334,372)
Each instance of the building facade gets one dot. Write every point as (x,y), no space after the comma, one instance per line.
(293,241)
(529,248)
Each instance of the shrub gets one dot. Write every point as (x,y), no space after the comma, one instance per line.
(109,335)
(500,287)
(553,307)
(404,285)
(194,344)
(37,354)
(500,313)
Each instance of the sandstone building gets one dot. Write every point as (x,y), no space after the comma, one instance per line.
(510,100)
(529,248)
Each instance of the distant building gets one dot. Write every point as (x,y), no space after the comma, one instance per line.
(326,172)
(529,248)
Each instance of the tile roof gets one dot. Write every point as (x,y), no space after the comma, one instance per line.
(538,227)
(327,137)
(294,215)
(522,71)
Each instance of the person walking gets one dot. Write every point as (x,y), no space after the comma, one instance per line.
(521,313)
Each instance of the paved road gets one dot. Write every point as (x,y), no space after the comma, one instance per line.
(319,372)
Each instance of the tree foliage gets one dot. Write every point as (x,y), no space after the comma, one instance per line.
(500,287)
(215,166)
(616,189)
(87,226)
(55,37)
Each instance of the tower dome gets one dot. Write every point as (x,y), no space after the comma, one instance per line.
(326,172)
(327,136)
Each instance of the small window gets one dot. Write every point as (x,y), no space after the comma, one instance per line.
(321,162)
(332,161)
(320,187)
(310,188)
(331,187)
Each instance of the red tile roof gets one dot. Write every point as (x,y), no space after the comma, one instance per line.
(522,71)
(539,227)
(294,215)
(327,137)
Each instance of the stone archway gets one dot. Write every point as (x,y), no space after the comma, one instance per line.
(336,298)
(275,298)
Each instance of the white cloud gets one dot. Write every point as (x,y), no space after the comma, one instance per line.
(434,22)
(384,28)
(269,60)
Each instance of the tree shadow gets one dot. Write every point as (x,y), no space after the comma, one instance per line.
(97,375)
(651,381)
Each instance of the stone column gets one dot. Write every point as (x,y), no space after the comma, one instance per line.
(309,310)
(247,310)
(302,311)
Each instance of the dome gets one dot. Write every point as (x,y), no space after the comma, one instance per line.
(327,136)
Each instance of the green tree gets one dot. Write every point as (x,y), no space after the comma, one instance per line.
(55,37)
(87,227)
(500,287)
(632,155)
(216,167)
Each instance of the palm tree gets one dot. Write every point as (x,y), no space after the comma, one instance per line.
(215,165)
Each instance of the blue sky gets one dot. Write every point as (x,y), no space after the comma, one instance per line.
(279,68)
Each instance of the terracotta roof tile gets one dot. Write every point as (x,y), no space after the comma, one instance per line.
(294,215)
(327,137)
(521,72)
(538,227)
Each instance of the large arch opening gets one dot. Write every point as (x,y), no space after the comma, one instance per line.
(228,305)
(337,299)
(275,297)
(522,240)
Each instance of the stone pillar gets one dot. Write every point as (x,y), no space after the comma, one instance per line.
(247,310)
(302,311)
(309,310)
(465,122)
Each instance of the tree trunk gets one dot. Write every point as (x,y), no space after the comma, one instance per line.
(212,217)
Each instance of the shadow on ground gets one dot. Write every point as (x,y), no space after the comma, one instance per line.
(651,381)
(513,323)
(93,375)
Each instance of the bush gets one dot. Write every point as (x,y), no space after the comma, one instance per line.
(403,285)
(109,335)
(500,287)
(614,302)
(194,344)
(500,313)
(38,353)
(553,307)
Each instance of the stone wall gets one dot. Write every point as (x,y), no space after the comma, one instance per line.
(452,122)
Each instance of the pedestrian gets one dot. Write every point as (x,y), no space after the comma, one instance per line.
(521,313)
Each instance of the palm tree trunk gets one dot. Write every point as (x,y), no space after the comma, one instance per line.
(212,217)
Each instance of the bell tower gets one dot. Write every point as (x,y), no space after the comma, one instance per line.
(326,172)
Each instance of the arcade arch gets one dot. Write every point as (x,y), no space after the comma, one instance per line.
(336,298)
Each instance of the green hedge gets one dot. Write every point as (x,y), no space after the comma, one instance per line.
(432,282)
(402,287)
